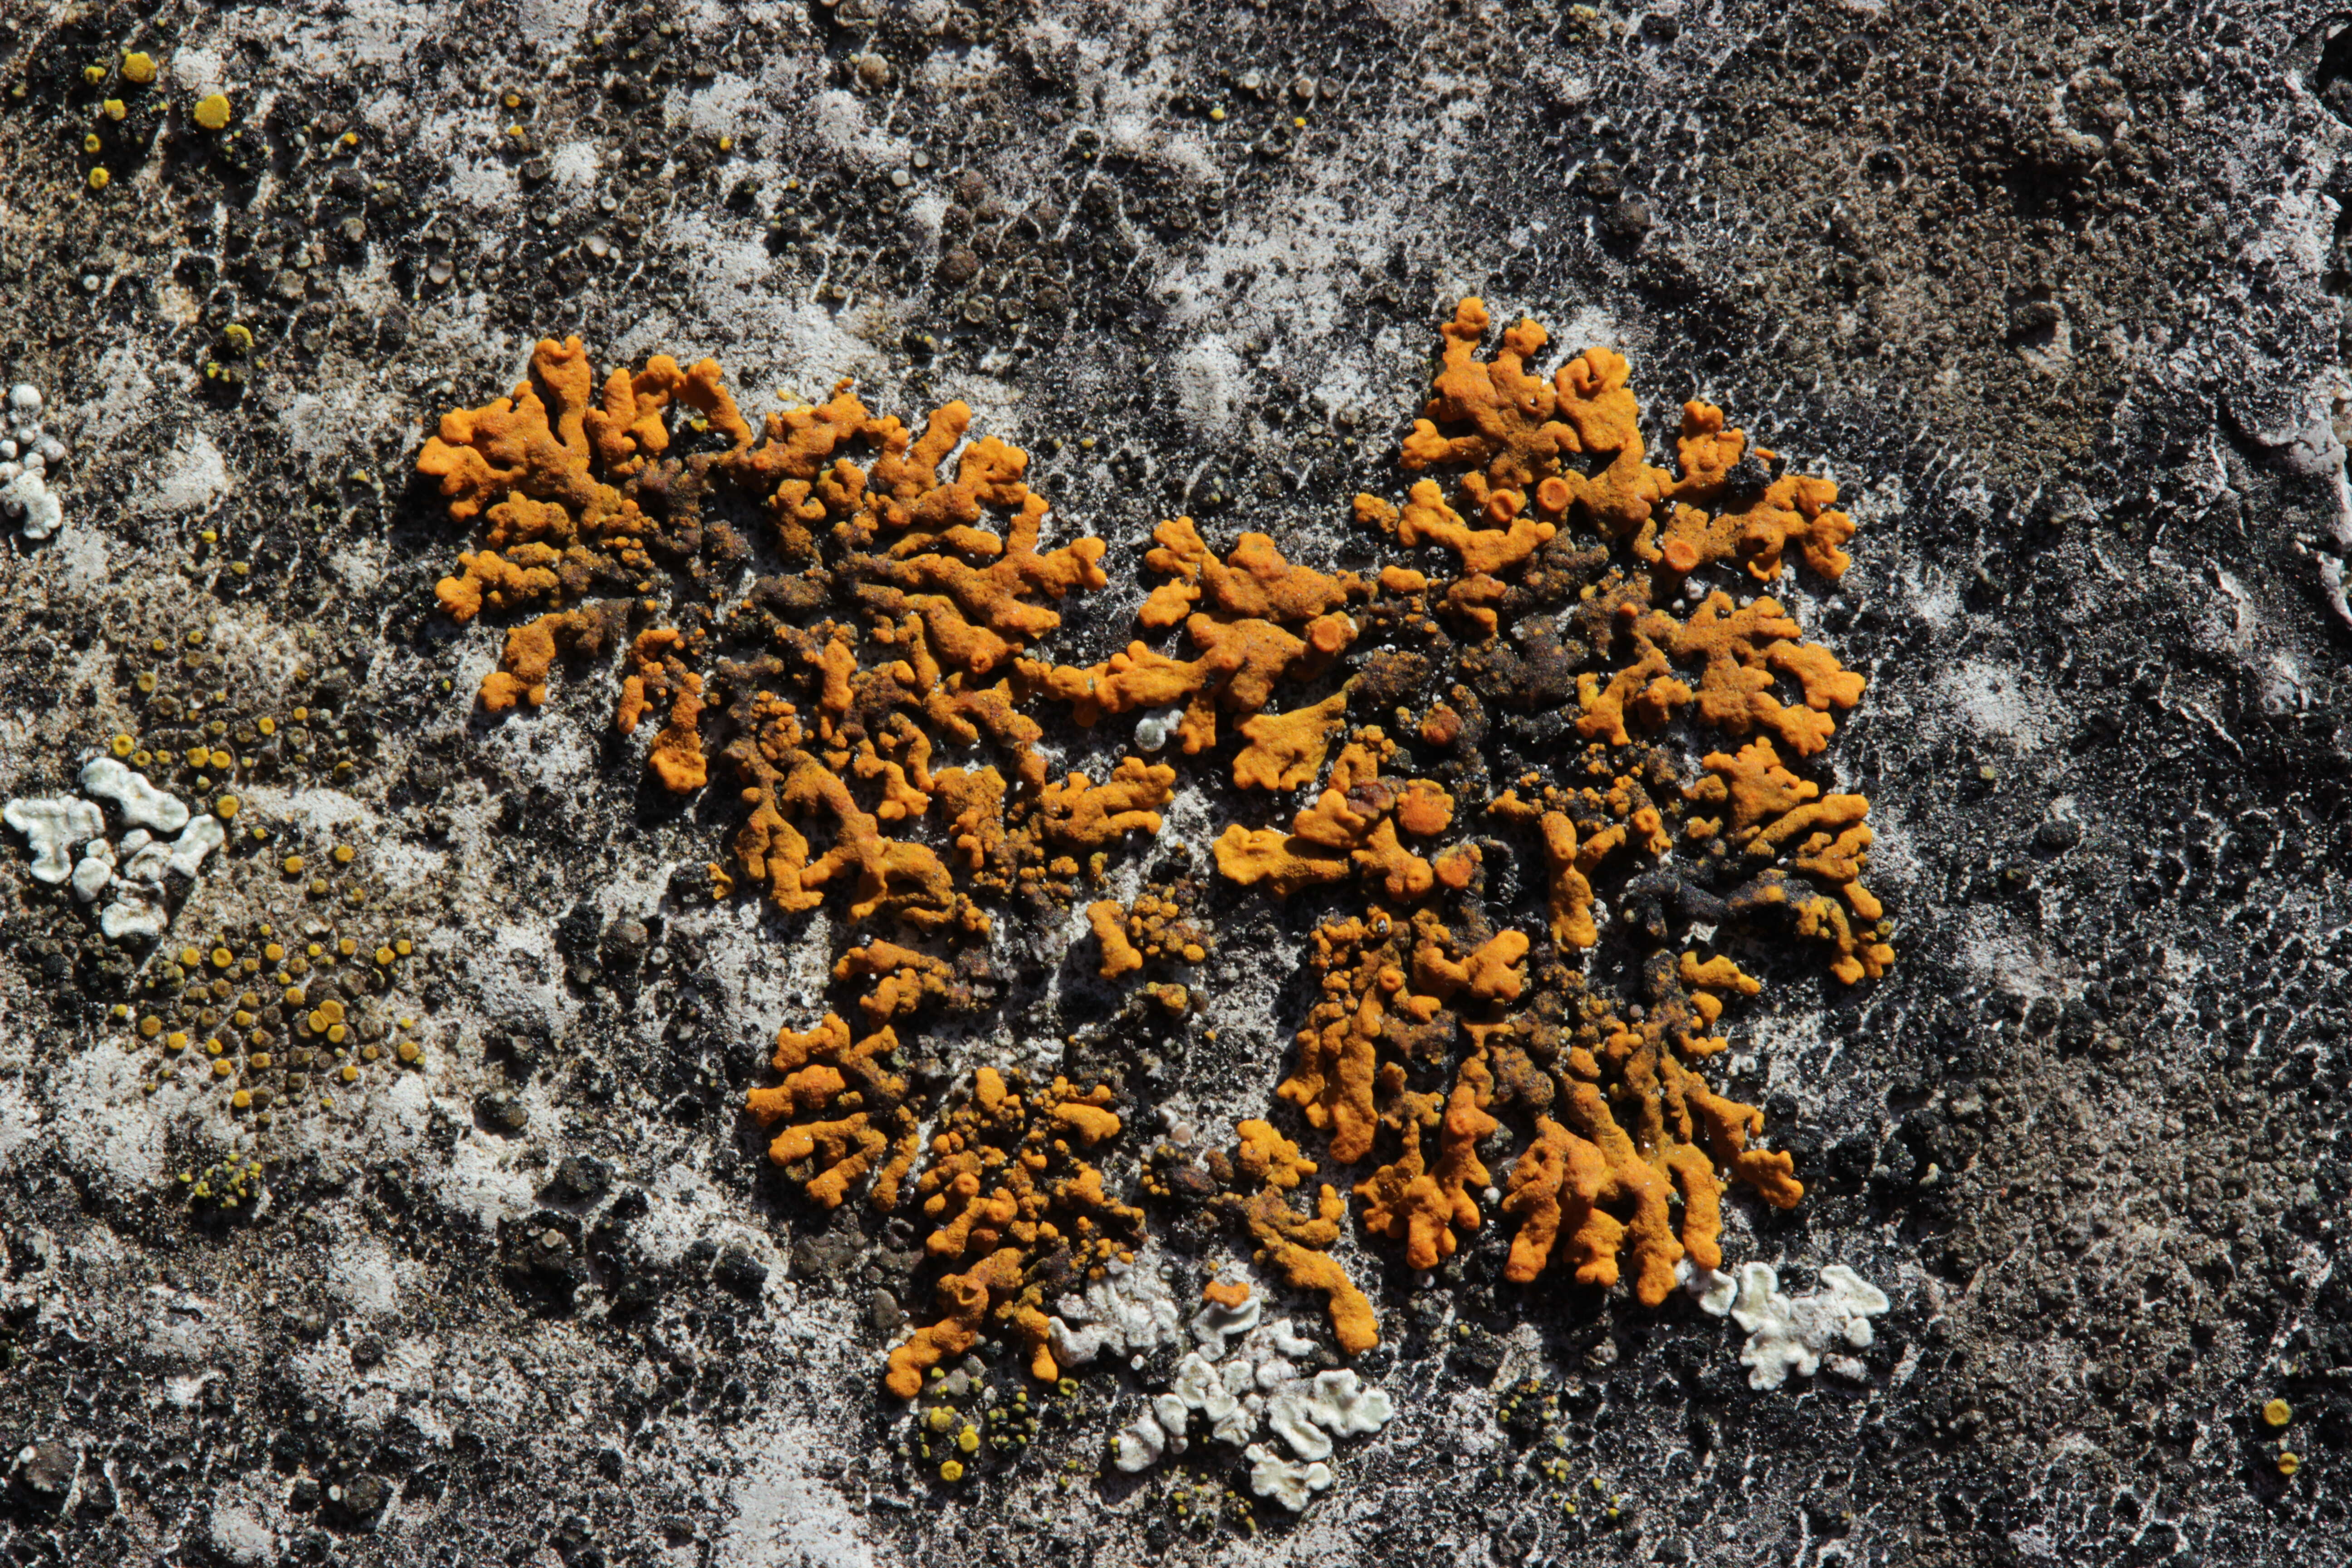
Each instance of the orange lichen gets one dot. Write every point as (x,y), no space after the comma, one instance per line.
(532,649)
(1267,1157)
(1120,956)
(1153,927)
(905,980)
(919,594)
(1426,1046)
(1079,814)
(1350,830)
(1286,749)
(1255,618)
(875,1133)
(1294,1245)
(831,694)
(1425,518)
(1230,1294)
(1004,1192)
(1424,1206)
(1677,1132)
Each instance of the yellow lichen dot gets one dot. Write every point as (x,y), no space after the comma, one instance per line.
(2288,1463)
(151,1026)
(339,1033)
(942,1417)
(258,1061)
(350,1073)
(90,143)
(384,955)
(223,958)
(121,745)
(267,726)
(226,807)
(138,67)
(275,953)
(343,853)
(222,1070)
(410,1050)
(403,947)
(952,1471)
(212,1048)
(2277,1413)
(222,761)
(99,177)
(347,947)
(969,1439)
(241,1099)
(93,74)
(176,1041)
(293,865)
(294,997)
(212,110)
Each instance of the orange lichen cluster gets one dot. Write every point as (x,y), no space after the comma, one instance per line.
(1297,1246)
(865,706)
(846,1113)
(1427,1052)
(1491,736)
(1256,619)
(917,595)
(1153,927)
(1637,1127)
(1351,830)
(1400,989)
(1015,1215)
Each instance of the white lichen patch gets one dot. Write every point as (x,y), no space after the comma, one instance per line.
(1127,1313)
(28,452)
(1258,1385)
(139,801)
(52,826)
(1791,1333)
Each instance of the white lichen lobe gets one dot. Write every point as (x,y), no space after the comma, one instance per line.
(141,801)
(28,452)
(52,826)
(1789,1333)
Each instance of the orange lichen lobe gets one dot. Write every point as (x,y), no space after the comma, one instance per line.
(1256,619)
(1296,1247)
(1005,1186)
(1153,927)
(873,1131)
(531,649)
(1267,1157)
(1424,1206)
(1287,749)
(1349,830)
(1120,956)
(1079,814)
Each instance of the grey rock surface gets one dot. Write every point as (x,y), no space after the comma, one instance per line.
(2054,294)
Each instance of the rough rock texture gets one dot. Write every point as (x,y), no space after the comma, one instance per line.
(2054,293)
